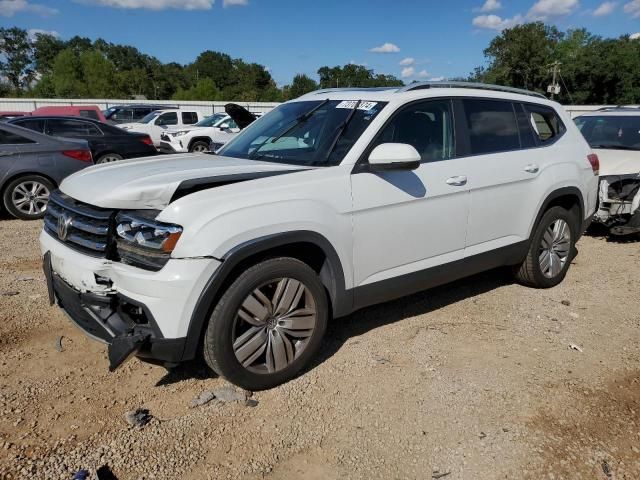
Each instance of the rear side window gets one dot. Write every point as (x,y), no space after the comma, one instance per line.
(65,128)
(170,118)
(492,126)
(545,123)
(32,124)
(189,118)
(89,114)
(9,138)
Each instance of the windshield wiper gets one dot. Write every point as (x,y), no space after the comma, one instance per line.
(301,119)
(340,130)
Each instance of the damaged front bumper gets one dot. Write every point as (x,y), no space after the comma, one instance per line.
(126,326)
(619,204)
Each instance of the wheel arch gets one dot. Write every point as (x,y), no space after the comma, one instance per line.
(16,175)
(569,198)
(201,138)
(308,246)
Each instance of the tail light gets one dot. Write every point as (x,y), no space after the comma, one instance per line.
(147,140)
(82,155)
(595,163)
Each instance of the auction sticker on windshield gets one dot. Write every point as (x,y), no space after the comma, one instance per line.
(366,106)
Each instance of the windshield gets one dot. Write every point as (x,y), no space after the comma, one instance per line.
(615,132)
(305,133)
(212,120)
(149,118)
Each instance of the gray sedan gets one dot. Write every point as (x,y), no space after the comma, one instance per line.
(32,165)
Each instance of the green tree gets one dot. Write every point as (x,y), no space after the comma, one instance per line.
(45,49)
(99,75)
(16,58)
(67,75)
(301,84)
(205,89)
(354,76)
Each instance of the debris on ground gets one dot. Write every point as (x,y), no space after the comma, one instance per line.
(138,417)
(250,402)
(575,347)
(59,343)
(81,475)
(381,360)
(202,399)
(26,279)
(105,473)
(436,474)
(566,303)
(228,394)
(9,293)
(606,469)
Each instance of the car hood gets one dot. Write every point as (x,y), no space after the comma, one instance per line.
(152,183)
(618,162)
(184,129)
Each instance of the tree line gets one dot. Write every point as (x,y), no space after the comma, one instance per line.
(593,69)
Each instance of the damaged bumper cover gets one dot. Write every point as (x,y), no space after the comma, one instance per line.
(126,326)
(619,203)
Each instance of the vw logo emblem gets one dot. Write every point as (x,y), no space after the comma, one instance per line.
(64,222)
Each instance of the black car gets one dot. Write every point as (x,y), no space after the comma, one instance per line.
(107,142)
(132,113)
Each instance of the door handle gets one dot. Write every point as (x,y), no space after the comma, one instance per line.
(457,181)
(533,168)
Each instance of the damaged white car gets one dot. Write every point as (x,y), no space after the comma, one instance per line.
(614,134)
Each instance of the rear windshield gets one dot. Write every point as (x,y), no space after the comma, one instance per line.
(609,131)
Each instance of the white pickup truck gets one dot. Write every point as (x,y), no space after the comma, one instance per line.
(157,122)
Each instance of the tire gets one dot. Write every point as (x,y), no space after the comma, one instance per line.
(199,147)
(109,158)
(26,197)
(272,354)
(551,250)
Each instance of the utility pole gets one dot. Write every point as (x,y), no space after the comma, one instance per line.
(554,88)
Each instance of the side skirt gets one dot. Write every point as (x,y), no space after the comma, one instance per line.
(398,287)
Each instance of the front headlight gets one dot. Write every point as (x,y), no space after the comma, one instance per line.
(177,134)
(144,242)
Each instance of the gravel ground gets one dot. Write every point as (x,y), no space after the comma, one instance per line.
(471,380)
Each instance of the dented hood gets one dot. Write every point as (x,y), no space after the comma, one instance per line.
(618,162)
(153,182)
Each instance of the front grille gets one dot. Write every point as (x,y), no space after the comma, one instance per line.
(78,225)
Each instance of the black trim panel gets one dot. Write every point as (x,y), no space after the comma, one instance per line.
(331,275)
(403,285)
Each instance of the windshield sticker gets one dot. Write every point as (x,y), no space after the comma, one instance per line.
(366,106)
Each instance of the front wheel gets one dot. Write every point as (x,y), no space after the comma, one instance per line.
(267,325)
(199,147)
(26,197)
(551,250)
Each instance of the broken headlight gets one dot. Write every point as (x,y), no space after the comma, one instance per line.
(144,242)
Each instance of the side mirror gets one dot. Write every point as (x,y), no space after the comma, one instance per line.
(394,156)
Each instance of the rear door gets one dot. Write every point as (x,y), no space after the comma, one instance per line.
(505,168)
(72,128)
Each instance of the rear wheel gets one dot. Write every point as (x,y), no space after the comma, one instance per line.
(26,197)
(551,251)
(199,147)
(109,157)
(267,325)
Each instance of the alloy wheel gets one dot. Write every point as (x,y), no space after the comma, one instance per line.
(273,325)
(200,148)
(30,197)
(555,248)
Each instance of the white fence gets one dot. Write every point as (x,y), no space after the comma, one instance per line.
(207,108)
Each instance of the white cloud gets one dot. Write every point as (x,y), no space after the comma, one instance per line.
(233,3)
(32,32)
(408,72)
(605,8)
(153,4)
(423,74)
(360,64)
(8,8)
(490,6)
(386,48)
(406,62)
(634,36)
(633,8)
(436,79)
(544,9)
(494,22)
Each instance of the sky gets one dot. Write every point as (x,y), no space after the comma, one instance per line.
(411,39)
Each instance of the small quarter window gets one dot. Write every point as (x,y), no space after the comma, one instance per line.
(189,118)
(170,118)
(545,122)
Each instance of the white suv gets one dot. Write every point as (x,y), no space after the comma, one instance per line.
(157,122)
(217,129)
(614,133)
(337,200)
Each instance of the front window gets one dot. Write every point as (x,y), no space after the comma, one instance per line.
(212,120)
(313,133)
(615,132)
(149,118)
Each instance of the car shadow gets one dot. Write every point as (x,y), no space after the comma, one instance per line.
(343,329)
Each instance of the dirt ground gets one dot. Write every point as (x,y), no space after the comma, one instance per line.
(474,380)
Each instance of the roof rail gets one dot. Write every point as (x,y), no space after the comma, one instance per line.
(351,89)
(476,86)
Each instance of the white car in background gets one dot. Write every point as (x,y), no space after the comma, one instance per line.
(157,122)
(208,135)
(217,129)
(614,134)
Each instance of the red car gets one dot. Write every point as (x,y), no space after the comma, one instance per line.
(87,111)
